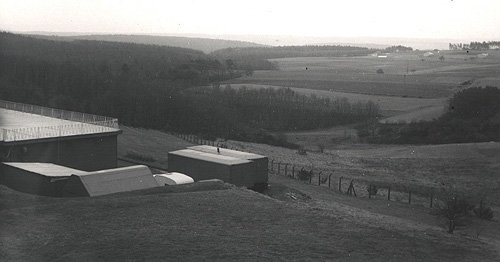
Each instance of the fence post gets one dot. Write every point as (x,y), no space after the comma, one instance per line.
(389,194)
(310,177)
(293,171)
(340,184)
(279,167)
(286,169)
(272,165)
(369,191)
(409,197)
(319,178)
(432,198)
(329,179)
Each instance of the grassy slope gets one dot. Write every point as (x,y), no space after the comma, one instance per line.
(191,223)
(148,142)
(472,168)
(469,167)
(226,224)
(363,159)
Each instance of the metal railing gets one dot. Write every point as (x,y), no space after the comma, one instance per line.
(87,123)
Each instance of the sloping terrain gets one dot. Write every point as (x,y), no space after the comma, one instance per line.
(225,224)
(220,222)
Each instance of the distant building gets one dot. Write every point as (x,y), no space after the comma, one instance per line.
(30,133)
(231,166)
(261,162)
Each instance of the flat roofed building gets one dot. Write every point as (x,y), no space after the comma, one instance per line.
(30,133)
(202,166)
(261,162)
(46,179)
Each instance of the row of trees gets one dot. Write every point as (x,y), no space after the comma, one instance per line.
(475,45)
(225,109)
(473,116)
(398,48)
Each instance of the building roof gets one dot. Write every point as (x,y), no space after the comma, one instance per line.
(45,169)
(111,181)
(226,152)
(28,122)
(210,157)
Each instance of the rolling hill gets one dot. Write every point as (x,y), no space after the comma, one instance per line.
(207,45)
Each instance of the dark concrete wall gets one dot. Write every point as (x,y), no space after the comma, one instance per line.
(88,153)
(262,167)
(32,183)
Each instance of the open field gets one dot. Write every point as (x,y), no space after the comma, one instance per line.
(404,75)
(389,105)
(413,87)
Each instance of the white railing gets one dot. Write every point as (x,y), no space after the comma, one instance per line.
(28,133)
(87,123)
(54,113)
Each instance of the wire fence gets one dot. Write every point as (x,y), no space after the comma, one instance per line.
(85,123)
(351,184)
(356,186)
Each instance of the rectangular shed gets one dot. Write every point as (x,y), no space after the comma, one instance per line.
(44,179)
(202,165)
(261,162)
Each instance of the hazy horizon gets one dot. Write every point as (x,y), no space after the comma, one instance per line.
(268,22)
(284,40)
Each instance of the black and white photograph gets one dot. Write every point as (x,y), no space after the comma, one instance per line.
(263,130)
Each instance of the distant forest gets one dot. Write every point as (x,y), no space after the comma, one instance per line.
(206,45)
(159,87)
(473,116)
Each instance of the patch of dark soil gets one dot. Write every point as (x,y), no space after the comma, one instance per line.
(284,193)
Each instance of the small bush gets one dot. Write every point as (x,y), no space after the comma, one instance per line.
(455,209)
(380,71)
(302,151)
(483,212)
(304,175)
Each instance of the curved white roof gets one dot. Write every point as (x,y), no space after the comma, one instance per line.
(173,178)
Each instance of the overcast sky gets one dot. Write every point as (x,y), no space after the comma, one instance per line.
(455,19)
